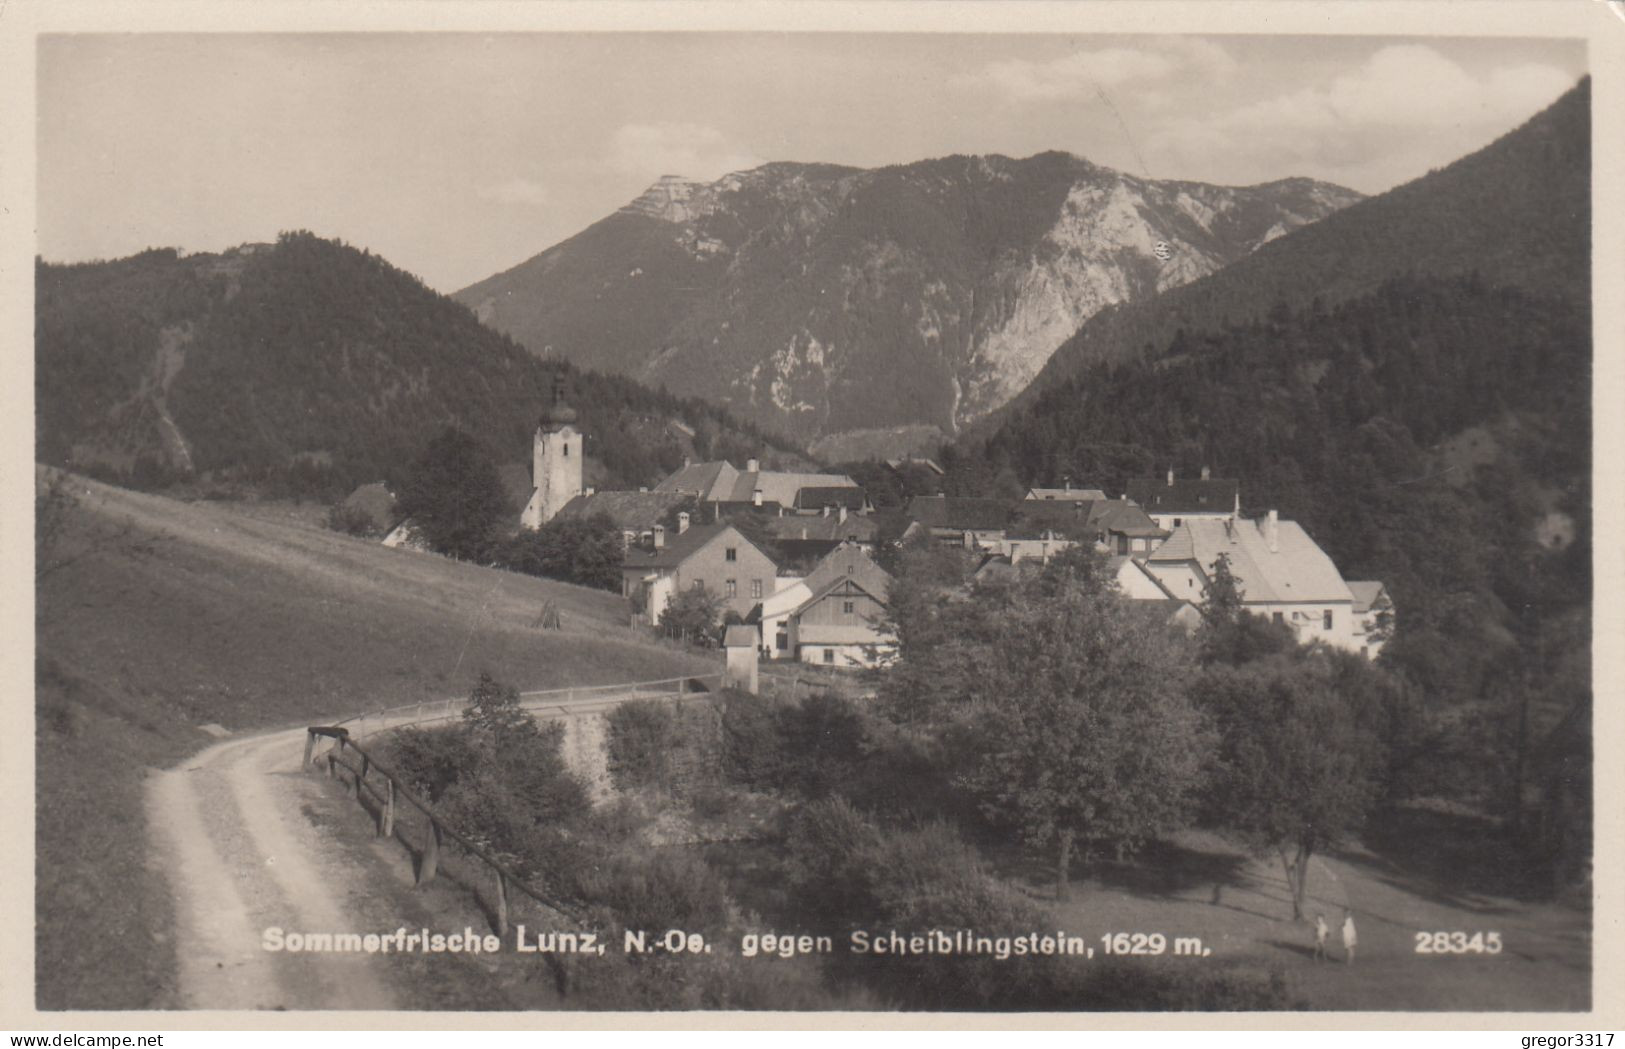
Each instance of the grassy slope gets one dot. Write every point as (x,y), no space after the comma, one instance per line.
(243,623)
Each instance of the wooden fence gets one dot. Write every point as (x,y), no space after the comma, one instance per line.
(584,699)
(365,777)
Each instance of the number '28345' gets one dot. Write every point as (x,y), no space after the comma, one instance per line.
(1458,943)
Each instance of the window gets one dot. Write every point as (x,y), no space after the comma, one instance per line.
(829,655)
(732,554)
(731,587)
(847,607)
(756,589)
(1328,619)
(849,568)
(782,641)
(1176,522)
(1279,617)
(567,449)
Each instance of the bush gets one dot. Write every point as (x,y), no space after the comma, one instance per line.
(640,738)
(352,520)
(753,752)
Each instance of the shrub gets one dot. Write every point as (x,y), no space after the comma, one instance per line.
(352,520)
(641,736)
(753,752)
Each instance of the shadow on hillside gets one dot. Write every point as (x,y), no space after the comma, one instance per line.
(1460,861)
(1163,869)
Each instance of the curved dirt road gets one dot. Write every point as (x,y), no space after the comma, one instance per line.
(241,858)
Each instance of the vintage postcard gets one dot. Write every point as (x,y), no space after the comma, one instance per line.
(938,512)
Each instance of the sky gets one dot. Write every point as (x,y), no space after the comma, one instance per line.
(456,156)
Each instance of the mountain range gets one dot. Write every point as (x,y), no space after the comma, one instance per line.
(312,363)
(830,302)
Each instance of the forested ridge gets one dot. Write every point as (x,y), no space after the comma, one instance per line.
(314,364)
(1518,212)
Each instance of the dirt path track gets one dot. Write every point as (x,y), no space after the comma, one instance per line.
(241,858)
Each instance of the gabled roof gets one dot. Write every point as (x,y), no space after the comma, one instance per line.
(631,511)
(959,512)
(802,554)
(849,561)
(739,636)
(1116,565)
(1297,570)
(1063,494)
(681,546)
(823,527)
(780,487)
(816,497)
(703,480)
(1157,496)
(834,585)
(517,485)
(1366,593)
(1122,517)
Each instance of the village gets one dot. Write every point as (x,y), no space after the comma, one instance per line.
(793,560)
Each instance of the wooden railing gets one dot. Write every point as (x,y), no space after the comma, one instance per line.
(365,773)
(548,703)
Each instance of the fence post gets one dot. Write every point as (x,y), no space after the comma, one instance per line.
(502,903)
(386,819)
(431,853)
(331,761)
(310,748)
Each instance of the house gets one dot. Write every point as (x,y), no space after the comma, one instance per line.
(959,521)
(1121,527)
(715,556)
(739,651)
(840,525)
(835,607)
(1373,616)
(753,487)
(634,513)
(1279,570)
(1065,492)
(1115,526)
(1171,502)
(556,462)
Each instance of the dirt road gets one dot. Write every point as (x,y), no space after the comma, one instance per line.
(241,858)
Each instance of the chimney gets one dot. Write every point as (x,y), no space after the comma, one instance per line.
(686,462)
(753,466)
(803,531)
(1066,484)
(643,488)
(756,497)
(682,522)
(1170,477)
(660,537)
(1206,473)
(1272,532)
(843,515)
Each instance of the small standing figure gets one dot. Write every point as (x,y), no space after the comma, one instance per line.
(1322,930)
(1350,937)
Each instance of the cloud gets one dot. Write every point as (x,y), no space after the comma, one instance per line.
(516,190)
(1405,108)
(1080,73)
(692,150)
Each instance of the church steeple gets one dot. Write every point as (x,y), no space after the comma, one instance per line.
(556,469)
(559,413)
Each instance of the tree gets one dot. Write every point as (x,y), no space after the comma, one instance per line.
(1068,707)
(454,496)
(1301,760)
(587,551)
(691,614)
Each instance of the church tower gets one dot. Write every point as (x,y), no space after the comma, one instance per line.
(556,461)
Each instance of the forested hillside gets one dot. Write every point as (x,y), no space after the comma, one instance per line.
(1517,212)
(313,365)
(1434,434)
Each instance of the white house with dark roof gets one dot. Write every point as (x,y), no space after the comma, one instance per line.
(717,557)
(1174,501)
(1279,570)
(831,616)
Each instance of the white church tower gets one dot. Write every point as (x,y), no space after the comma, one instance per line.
(556,462)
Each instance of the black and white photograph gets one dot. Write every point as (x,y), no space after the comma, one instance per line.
(1004,515)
